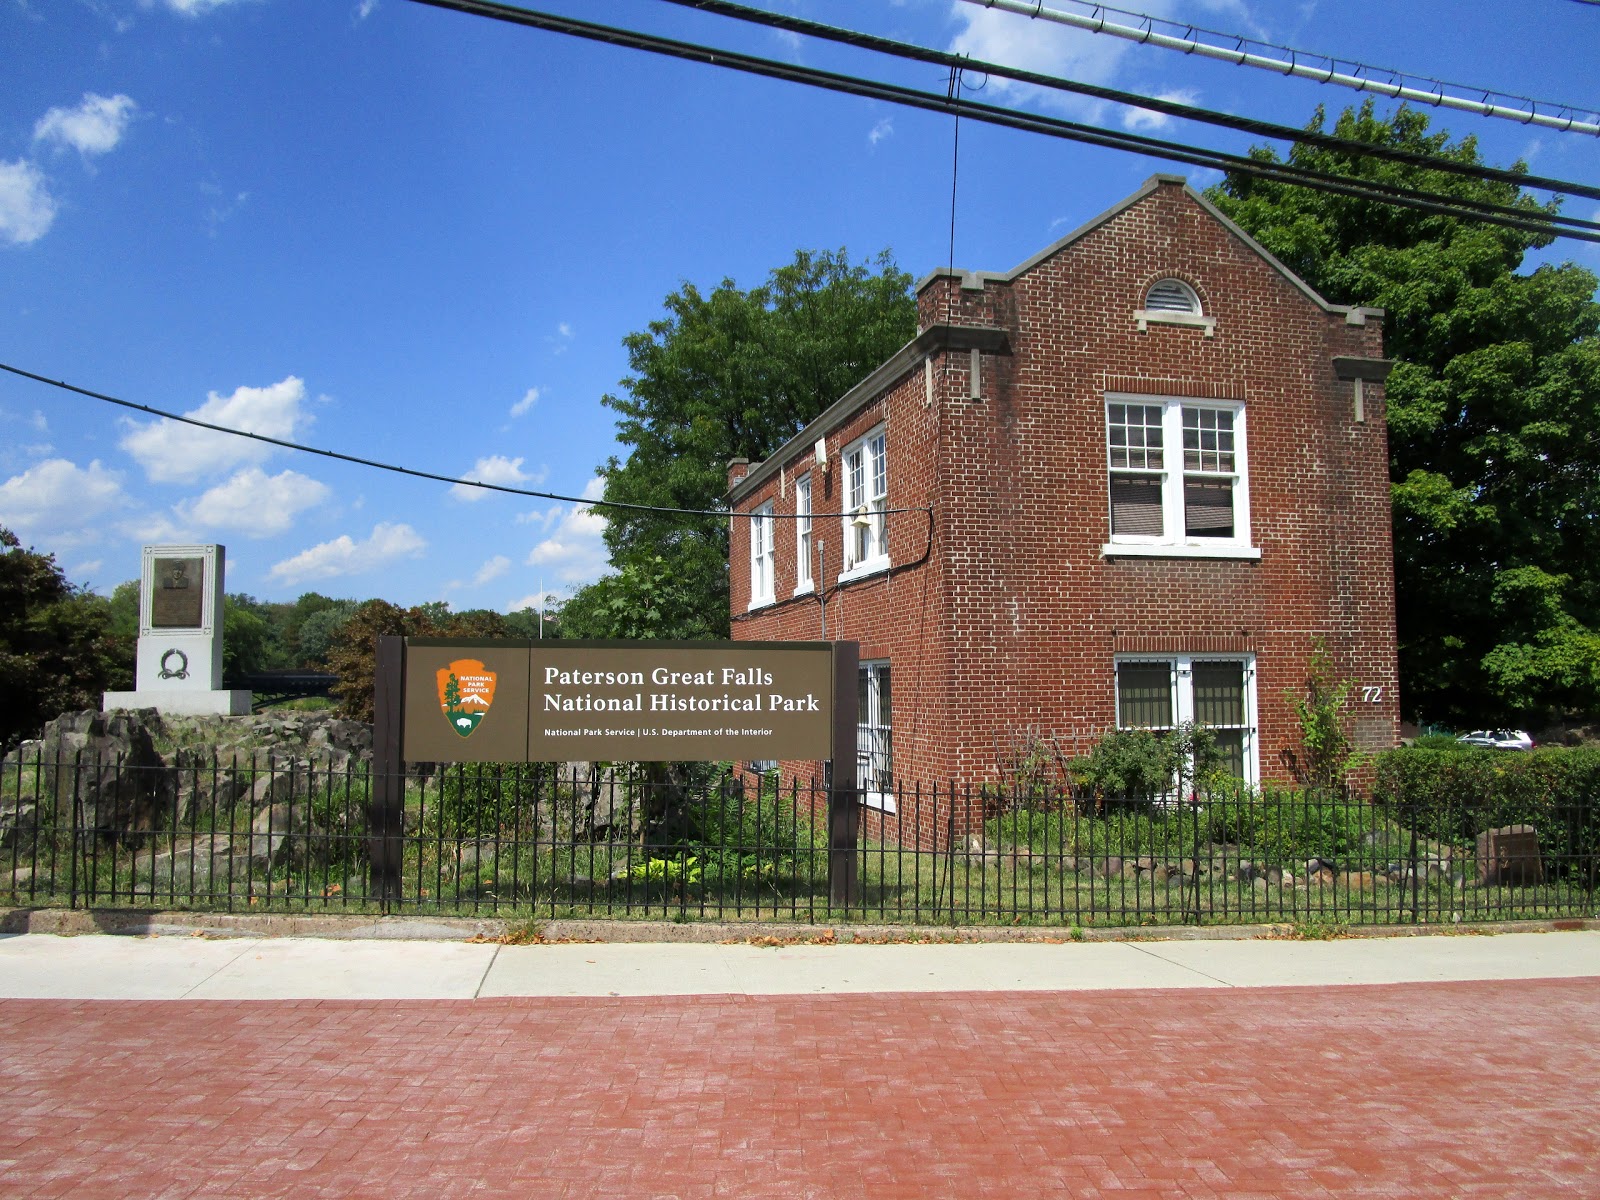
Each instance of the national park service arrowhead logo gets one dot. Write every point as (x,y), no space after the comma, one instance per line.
(466,690)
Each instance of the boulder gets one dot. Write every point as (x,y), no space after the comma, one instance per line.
(286,835)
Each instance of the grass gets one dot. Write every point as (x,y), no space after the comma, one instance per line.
(478,842)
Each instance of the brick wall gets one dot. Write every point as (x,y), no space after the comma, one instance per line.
(1001,615)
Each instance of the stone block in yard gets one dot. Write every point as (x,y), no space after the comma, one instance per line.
(1509,857)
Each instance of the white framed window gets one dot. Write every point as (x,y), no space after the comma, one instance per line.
(1216,692)
(1176,478)
(761,556)
(866,496)
(802,535)
(874,736)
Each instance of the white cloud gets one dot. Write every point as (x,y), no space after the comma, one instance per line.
(493,569)
(57,502)
(27,209)
(883,129)
(94,127)
(194,8)
(523,406)
(345,556)
(498,469)
(1144,118)
(254,503)
(171,452)
(575,550)
(561,338)
(365,9)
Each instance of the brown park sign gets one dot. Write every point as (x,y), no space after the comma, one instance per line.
(469,700)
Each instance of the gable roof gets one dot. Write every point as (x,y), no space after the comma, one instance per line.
(975,280)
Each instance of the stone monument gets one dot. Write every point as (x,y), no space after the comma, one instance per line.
(180,636)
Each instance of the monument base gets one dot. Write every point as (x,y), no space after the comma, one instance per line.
(182,702)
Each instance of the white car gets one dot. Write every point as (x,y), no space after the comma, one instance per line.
(1497,739)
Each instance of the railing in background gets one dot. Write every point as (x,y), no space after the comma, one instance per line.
(693,843)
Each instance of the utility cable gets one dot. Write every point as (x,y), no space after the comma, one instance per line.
(1172,108)
(1534,221)
(1322,68)
(719,513)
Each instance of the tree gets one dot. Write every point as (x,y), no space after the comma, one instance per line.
(317,632)
(1494,420)
(353,651)
(643,601)
(733,375)
(56,650)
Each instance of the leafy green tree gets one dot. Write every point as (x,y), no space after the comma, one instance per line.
(317,632)
(646,600)
(1494,420)
(57,653)
(353,651)
(248,644)
(733,374)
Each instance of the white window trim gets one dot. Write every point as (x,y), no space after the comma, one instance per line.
(805,573)
(1178,544)
(1183,697)
(882,801)
(878,562)
(763,564)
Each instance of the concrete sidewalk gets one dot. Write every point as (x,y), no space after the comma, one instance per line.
(42,966)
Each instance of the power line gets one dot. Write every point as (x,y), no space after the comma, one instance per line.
(1321,67)
(1532,221)
(662,510)
(942,58)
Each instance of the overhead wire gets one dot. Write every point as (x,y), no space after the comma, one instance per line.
(1322,68)
(1533,220)
(415,473)
(1173,108)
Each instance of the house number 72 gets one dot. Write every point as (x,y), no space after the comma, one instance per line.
(1371,695)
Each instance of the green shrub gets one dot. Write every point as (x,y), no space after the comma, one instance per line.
(1458,793)
(746,831)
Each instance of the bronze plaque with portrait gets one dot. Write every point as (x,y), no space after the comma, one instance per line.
(177,597)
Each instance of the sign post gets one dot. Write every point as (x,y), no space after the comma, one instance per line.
(386,803)
(844,813)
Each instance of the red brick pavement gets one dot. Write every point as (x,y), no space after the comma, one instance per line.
(1464,1089)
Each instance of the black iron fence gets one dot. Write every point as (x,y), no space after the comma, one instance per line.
(686,843)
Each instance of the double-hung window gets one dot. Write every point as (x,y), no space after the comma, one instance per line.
(1177,481)
(802,534)
(866,496)
(1216,693)
(761,556)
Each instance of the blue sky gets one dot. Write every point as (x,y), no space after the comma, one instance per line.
(420,237)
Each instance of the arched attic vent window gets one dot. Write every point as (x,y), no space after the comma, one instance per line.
(1172,302)
(1172,295)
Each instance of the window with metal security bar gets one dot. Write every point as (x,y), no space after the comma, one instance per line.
(1176,478)
(874,736)
(1217,694)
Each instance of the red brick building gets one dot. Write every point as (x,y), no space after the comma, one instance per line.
(1129,482)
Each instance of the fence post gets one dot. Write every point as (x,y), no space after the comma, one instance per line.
(843,811)
(386,803)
